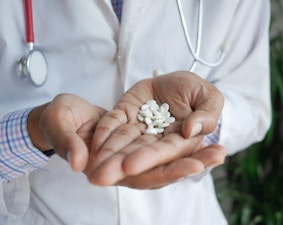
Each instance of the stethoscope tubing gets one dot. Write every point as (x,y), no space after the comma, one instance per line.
(196,51)
(29,23)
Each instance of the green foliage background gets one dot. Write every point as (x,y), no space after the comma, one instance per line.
(251,189)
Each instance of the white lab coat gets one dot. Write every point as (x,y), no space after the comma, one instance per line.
(90,55)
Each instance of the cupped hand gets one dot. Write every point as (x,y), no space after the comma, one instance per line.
(121,152)
(66,125)
(179,169)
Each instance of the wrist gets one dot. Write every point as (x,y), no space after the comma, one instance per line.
(39,140)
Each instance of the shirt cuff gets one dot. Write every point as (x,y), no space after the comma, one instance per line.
(18,156)
(213,138)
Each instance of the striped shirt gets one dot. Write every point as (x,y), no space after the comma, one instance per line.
(117,6)
(213,138)
(18,156)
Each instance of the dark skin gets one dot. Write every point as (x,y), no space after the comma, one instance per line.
(110,147)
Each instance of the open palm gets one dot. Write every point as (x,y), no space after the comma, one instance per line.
(121,152)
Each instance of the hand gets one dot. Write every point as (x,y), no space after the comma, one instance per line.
(122,155)
(160,176)
(66,125)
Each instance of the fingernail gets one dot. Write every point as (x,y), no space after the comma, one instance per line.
(196,129)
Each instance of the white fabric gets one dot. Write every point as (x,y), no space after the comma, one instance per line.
(90,55)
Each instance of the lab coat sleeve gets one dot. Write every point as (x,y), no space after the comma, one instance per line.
(244,78)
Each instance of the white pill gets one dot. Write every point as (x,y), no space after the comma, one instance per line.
(146,110)
(140,118)
(170,120)
(151,131)
(166,114)
(158,118)
(147,120)
(144,107)
(155,117)
(146,114)
(163,125)
(157,122)
(151,102)
(156,113)
(164,107)
(154,107)
(161,110)
(159,130)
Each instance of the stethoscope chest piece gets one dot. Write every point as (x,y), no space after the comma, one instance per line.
(33,67)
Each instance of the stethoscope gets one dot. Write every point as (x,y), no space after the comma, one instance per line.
(195,52)
(34,66)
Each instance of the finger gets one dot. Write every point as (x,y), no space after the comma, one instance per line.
(169,148)
(211,155)
(108,173)
(128,138)
(164,175)
(116,140)
(111,170)
(69,146)
(204,118)
(107,124)
(139,157)
(76,152)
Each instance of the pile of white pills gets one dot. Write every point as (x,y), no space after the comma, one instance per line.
(155,117)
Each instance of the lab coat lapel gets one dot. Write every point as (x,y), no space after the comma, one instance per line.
(132,16)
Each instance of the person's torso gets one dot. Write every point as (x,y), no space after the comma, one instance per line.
(91,55)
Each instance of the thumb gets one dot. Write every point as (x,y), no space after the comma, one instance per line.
(64,139)
(70,146)
(200,122)
(76,153)
(207,107)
